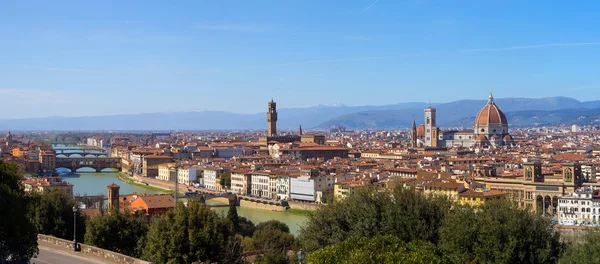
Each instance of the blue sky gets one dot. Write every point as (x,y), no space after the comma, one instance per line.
(78,58)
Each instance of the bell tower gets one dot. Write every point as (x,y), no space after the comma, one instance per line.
(430,127)
(413,135)
(113,196)
(272,119)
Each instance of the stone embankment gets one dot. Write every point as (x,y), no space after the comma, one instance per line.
(303,206)
(264,206)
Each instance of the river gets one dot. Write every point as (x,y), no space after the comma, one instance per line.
(88,182)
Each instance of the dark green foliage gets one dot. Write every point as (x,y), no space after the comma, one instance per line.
(225,179)
(587,252)
(402,213)
(116,231)
(273,224)
(233,217)
(189,234)
(246,227)
(274,238)
(52,214)
(498,232)
(379,249)
(18,236)
(273,256)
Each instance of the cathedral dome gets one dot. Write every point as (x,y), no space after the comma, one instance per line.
(421,130)
(490,114)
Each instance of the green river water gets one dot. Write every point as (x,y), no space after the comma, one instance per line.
(94,183)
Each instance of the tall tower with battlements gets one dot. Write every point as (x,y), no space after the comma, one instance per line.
(272,119)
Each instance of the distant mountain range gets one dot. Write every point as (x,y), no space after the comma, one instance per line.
(519,111)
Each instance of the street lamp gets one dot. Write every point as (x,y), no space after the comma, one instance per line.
(75,228)
(300,256)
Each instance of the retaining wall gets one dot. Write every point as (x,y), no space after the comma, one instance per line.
(271,207)
(91,250)
(303,206)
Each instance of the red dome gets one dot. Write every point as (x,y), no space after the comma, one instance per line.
(490,114)
(421,130)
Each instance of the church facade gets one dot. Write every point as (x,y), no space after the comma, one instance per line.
(489,130)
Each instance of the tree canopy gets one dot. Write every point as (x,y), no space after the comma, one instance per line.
(120,232)
(52,214)
(498,232)
(403,213)
(190,234)
(225,179)
(379,249)
(586,252)
(18,236)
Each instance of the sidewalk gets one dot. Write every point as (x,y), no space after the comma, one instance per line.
(50,253)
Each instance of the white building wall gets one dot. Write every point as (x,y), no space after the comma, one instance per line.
(210,179)
(303,188)
(260,185)
(579,206)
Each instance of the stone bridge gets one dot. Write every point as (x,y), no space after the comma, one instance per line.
(97,163)
(224,199)
(82,154)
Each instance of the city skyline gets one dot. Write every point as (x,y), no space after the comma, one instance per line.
(90,59)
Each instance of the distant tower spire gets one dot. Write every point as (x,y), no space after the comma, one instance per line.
(491,98)
(300,130)
(413,134)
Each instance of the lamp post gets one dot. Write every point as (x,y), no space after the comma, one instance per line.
(75,228)
(300,256)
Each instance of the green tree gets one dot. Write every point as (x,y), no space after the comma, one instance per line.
(52,214)
(233,217)
(246,227)
(379,249)
(190,234)
(273,224)
(498,232)
(225,179)
(403,213)
(116,231)
(18,236)
(583,253)
(274,238)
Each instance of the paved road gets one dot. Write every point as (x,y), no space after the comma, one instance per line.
(50,255)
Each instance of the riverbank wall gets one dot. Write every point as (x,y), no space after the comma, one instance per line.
(112,257)
(303,206)
(573,234)
(264,206)
(160,184)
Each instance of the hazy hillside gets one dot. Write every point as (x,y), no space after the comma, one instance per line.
(289,118)
(355,117)
(448,113)
(544,118)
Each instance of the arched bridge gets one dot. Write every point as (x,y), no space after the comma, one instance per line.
(224,199)
(81,154)
(97,163)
